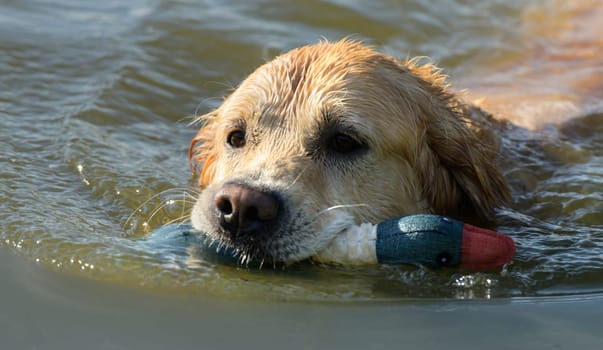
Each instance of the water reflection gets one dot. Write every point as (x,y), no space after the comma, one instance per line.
(95,105)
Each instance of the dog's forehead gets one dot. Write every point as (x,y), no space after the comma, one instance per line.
(359,88)
(304,84)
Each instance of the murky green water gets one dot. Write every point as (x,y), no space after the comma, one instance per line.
(96,100)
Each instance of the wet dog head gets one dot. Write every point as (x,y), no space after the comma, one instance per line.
(330,135)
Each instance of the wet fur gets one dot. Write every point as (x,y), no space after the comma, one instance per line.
(427,151)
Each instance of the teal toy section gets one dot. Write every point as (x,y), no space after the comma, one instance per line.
(429,240)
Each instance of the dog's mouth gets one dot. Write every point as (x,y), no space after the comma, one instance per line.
(296,236)
(292,248)
(257,246)
(287,244)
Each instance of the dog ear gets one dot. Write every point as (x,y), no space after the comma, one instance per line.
(457,154)
(202,152)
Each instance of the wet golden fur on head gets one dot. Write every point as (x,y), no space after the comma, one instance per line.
(425,149)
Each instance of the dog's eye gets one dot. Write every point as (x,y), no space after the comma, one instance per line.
(236,138)
(342,143)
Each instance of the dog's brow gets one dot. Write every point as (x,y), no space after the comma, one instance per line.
(334,120)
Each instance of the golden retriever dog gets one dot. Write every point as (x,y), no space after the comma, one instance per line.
(335,134)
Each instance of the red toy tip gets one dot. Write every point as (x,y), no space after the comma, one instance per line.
(485,249)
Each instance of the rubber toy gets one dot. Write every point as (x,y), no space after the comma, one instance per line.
(423,239)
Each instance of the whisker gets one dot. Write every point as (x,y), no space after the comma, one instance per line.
(341,206)
(182,213)
(196,117)
(157,210)
(178,220)
(164,205)
(187,198)
(138,209)
(335,207)
(296,178)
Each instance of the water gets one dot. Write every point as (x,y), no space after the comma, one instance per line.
(96,100)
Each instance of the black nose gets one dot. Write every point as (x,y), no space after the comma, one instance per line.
(244,210)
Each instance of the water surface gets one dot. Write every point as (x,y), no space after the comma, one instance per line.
(96,100)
